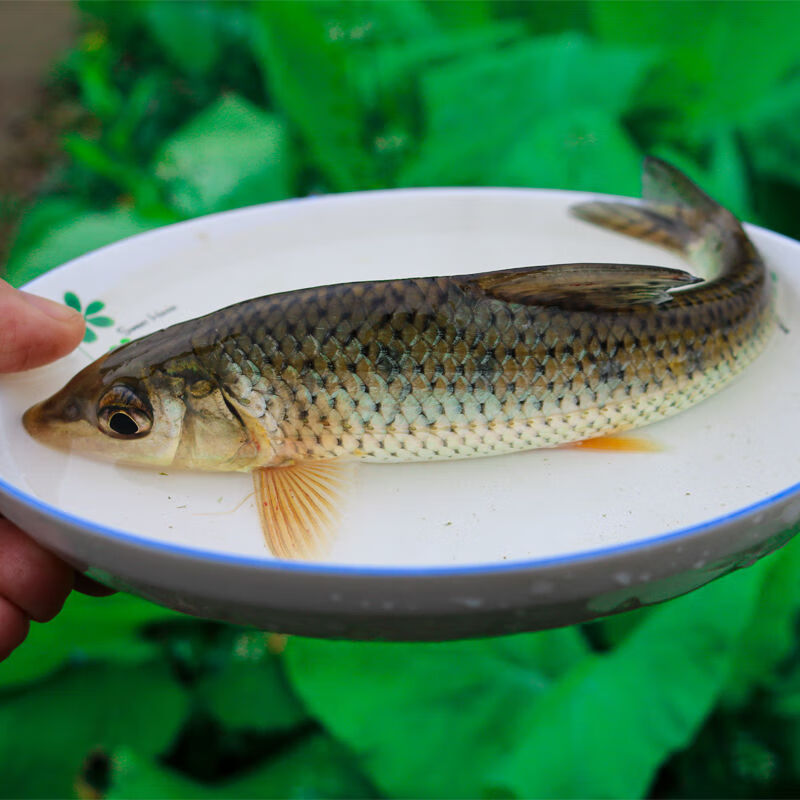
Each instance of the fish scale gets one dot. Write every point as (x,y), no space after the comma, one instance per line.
(406,370)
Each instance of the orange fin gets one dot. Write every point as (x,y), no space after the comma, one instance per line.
(621,444)
(300,505)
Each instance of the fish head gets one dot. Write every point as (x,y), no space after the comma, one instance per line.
(111,413)
(143,406)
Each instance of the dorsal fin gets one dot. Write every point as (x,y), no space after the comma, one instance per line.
(581,286)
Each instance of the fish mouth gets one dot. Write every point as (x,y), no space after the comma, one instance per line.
(51,421)
(31,420)
(41,421)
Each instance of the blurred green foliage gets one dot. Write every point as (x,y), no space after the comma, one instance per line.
(196,107)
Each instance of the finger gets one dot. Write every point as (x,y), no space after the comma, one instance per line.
(32,578)
(86,585)
(34,331)
(14,624)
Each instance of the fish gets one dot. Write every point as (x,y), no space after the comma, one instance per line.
(297,387)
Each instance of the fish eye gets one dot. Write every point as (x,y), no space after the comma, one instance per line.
(123,413)
(123,424)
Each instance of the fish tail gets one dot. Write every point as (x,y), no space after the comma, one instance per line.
(677,215)
(639,222)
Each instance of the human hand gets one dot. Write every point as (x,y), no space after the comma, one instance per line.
(33,582)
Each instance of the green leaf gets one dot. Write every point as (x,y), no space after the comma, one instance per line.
(231,154)
(94,74)
(612,631)
(91,155)
(716,83)
(306,73)
(132,777)
(548,704)
(430,720)
(252,694)
(393,63)
(515,91)
(730,179)
(128,177)
(772,133)
(771,635)
(543,18)
(124,132)
(187,32)
(653,692)
(94,307)
(362,22)
(457,16)
(122,18)
(576,149)
(100,322)
(37,222)
(315,768)
(89,336)
(60,720)
(793,746)
(785,691)
(71,299)
(70,238)
(88,628)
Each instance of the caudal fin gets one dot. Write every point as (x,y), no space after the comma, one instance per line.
(677,214)
(665,185)
(666,230)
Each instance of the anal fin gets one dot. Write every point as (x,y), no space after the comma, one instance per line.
(300,505)
(616,443)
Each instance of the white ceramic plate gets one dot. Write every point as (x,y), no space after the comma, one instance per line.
(425,550)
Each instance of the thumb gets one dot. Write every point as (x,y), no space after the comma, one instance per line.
(34,331)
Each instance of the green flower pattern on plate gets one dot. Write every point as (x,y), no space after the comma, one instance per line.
(90,314)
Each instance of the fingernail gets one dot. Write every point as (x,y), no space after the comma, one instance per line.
(54,310)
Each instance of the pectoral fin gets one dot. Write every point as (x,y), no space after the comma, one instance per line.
(300,505)
(582,286)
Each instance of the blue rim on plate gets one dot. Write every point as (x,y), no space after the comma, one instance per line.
(375,571)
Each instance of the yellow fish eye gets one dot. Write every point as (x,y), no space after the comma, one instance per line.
(123,414)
